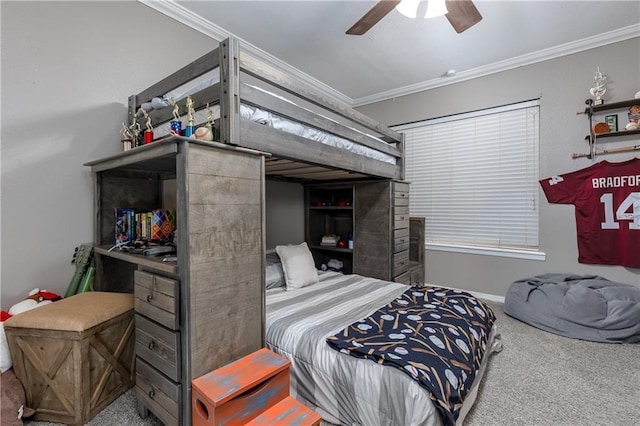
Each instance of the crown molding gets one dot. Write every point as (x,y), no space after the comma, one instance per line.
(190,19)
(603,39)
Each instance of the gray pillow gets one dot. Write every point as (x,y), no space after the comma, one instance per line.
(274,274)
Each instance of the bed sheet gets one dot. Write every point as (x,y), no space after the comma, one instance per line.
(343,389)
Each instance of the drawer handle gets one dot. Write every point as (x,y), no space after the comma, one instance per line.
(149,297)
(402,240)
(152,394)
(152,344)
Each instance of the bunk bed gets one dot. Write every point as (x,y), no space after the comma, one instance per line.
(307,136)
(310,136)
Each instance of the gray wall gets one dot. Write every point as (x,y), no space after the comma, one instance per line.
(562,85)
(284,213)
(69,67)
(67,71)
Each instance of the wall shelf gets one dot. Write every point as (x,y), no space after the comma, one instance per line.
(592,138)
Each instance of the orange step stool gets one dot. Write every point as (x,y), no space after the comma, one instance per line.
(287,412)
(239,392)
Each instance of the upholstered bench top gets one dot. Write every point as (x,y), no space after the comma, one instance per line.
(75,313)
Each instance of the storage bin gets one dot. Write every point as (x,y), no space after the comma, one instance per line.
(74,356)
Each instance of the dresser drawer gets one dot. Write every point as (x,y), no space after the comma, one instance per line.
(400,194)
(159,393)
(401,222)
(401,210)
(156,297)
(401,187)
(404,278)
(158,346)
(400,262)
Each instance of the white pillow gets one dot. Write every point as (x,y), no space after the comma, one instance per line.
(297,263)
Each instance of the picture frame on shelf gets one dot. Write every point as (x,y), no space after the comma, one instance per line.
(612,121)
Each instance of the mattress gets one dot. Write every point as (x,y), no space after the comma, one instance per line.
(261,116)
(344,389)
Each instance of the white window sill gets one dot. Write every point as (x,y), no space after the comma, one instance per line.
(490,251)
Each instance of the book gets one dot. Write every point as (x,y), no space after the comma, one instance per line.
(163,223)
(125,225)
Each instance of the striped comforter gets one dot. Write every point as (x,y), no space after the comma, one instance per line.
(343,389)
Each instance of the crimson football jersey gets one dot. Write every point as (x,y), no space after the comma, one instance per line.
(606,197)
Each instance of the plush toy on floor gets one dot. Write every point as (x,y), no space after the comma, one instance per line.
(12,393)
(35,299)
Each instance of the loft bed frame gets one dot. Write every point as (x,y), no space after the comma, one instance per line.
(293,157)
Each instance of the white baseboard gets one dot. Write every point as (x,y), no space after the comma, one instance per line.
(485,296)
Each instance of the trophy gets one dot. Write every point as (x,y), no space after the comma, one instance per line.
(191,127)
(135,131)
(206,132)
(148,133)
(176,124)
(598,90)
(127,137)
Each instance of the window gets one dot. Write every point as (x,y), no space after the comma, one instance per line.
(474,176)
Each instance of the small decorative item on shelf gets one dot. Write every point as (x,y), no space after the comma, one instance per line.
(135,131)
(127,137)
(634,118)
(148,133)
(600,128)
(612,121)
(190,130)
(207,132)
(176,124)
(598,90)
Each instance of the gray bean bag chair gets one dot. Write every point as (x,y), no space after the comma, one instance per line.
(585,307)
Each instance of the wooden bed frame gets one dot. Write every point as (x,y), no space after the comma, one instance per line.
(293,157)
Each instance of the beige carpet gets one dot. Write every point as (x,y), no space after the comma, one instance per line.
(538,379)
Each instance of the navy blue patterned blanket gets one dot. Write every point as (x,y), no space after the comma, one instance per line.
(435,335)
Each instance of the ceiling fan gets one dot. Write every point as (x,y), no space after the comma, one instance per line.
(461,14)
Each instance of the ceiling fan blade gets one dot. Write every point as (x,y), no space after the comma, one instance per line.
(376,13)
(462,14)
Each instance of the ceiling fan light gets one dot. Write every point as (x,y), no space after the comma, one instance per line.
(436,8)
(408,8)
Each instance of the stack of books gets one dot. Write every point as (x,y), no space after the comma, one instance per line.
(155,225)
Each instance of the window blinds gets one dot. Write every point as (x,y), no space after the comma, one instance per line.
(474,176)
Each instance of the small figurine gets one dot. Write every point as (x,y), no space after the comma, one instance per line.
(191,127)
(148,133)
(176,124)
(127,137)
(135,131)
